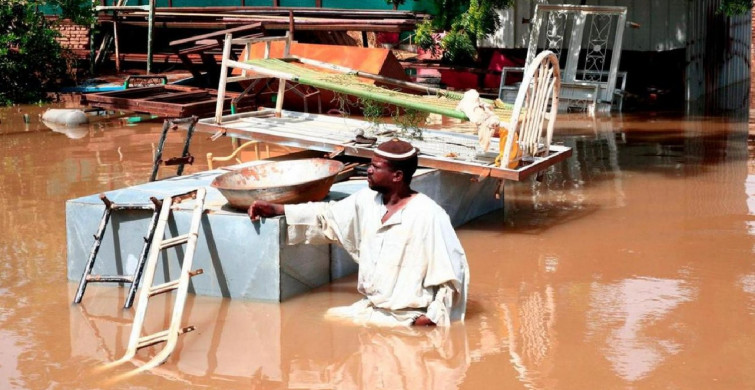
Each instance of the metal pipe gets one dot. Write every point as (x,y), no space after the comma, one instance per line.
(377,77)
(150,32)
(117,46)
(223,78)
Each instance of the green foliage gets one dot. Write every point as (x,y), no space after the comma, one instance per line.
(408,121)
(78,11)
(464,22)
(480,19)
(423,35)
(458,47)
(372,111)
(30,57)
(32,62)
(734,7)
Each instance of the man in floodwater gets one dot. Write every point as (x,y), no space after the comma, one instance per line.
(412,268)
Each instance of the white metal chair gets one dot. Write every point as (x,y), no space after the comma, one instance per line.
(536,102)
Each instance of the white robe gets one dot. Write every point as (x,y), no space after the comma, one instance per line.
(410,265)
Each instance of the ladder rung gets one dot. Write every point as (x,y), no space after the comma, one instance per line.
(109,278)
(165,287)
(152,339)
(195,273)
(173,241)
(160,337)
(172,285)
(132,207)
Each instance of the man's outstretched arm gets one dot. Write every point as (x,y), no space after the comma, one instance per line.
(261,208)
(422,320)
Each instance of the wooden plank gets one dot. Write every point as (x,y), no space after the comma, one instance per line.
(198,49)
(215,34)
(157,100)
(167,97)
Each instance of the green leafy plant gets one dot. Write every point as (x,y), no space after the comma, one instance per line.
(372,111)
(408,120)
(458,47)
(423,36)
(30,57)
(734,7)
(31,60)
(463,22)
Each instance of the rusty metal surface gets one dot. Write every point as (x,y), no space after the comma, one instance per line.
(293,181)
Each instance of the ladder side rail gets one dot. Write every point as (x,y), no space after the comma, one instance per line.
(95,249)
(157,207)
(185,153)
(148,278)
(183,285)
(159,152)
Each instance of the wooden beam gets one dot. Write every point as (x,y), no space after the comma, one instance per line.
(215,34)
(291,22)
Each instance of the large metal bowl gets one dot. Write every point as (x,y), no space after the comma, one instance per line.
(293,181)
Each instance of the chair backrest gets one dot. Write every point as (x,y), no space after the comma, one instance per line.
(536,102)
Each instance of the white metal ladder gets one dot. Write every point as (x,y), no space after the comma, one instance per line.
(181,285)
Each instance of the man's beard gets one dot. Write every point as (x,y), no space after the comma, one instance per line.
(377,188)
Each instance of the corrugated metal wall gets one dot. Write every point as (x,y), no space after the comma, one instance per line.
(717,68)
(663,24)
(718,58)
(752,56)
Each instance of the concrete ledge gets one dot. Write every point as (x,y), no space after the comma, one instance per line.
(240,259)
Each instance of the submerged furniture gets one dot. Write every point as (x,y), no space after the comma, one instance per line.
(536,103)
(440,149)
(240,259)
(590,79)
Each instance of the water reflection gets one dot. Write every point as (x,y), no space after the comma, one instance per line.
(386,359)
(628,266)
(622,316)
(73,132)
(530,335)
(750,191)
(238,340)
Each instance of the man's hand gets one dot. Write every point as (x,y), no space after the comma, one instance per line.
(422,320)
(261,208)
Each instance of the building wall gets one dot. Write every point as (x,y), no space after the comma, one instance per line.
(73,36)
(717,59)
(662,24)
(752,56)
(716,68)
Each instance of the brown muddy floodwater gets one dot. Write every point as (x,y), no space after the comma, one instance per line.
(629,266)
